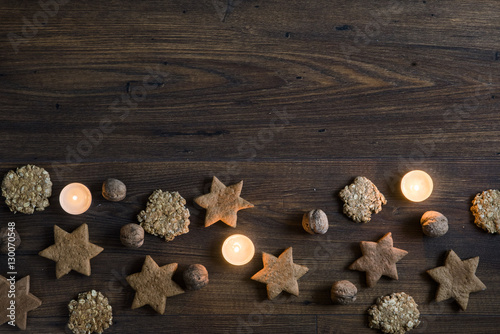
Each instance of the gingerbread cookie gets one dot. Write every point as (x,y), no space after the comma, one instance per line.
(24,301)
(486,210)
(153,285)
(166,215)
(71,251)
(396,314)
(280,274)
(222,203)
(457,279)
(379,259)
(361,198)
(27,189)
(90,313)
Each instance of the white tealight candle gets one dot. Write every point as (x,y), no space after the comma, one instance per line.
(238,249)
(75,198)
(417,185)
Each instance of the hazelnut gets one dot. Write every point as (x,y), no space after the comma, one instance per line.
(132,235)
(114,190)
(434,224)
(343,292)
(195,277)
(315,221)
(4,239)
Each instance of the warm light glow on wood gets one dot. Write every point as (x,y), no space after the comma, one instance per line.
(238,249)
(75,198)
(417,185)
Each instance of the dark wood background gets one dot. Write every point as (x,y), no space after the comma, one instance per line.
(296,98)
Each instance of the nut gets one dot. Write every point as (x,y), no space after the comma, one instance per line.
(114,190)
(132,235)
(434,224)
(315,221)
(195,277)
(4,239)
(343,292)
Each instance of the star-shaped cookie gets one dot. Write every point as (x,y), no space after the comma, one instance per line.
(153,285)
(280,274)
(71,251)
(222,203)
(379,259)
(24,301)
(457,279)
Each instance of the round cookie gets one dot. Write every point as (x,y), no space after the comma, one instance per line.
(361,199)
(395,314)
(27,189)
(486,210)
(90,313)
(165,215)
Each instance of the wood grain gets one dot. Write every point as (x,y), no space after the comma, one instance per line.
(294,98)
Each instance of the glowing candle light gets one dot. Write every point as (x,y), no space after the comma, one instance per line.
(238,249)
(75,198)
(417,185)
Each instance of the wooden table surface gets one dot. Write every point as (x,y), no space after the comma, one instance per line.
(296,98)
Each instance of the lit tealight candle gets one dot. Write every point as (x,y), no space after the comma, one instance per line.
(75,198)
(238,249)
(417,185)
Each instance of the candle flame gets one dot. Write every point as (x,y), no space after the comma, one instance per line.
(75,197)
(416,187)
(236,247)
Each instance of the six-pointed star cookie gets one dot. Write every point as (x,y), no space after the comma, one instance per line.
(24,301)
(222,203)
(280,274)
(153,285)
(379,258)
(71,251)
(457,279)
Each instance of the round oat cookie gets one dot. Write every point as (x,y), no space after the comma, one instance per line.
(27,189)
(91,313)
(396,313)
(165,215)
(361,198)
(486,210)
